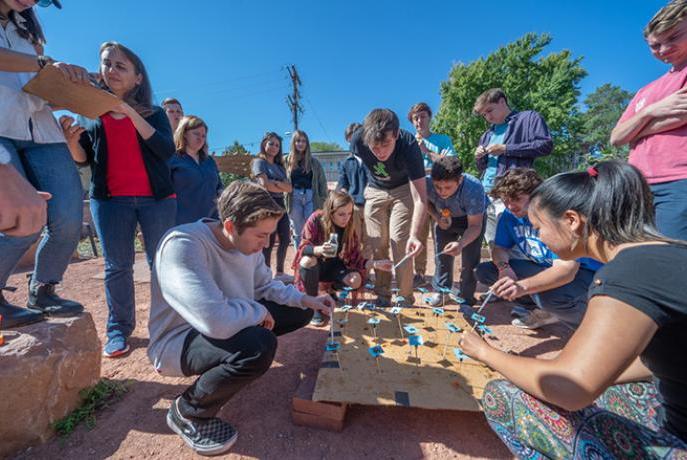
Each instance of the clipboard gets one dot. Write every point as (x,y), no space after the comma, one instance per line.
(51,85)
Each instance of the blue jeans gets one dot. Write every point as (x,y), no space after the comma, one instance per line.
(567,302)
(49,168)
(115,221)
(470,256)
(670,202)
(301,208)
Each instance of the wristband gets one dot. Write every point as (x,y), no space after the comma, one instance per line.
(43,60)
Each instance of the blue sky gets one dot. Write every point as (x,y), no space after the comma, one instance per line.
(226,61)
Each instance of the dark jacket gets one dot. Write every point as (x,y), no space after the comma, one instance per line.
(156,152)
(527,137)
(353,178)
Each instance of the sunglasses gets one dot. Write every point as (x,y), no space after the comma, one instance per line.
(46,3)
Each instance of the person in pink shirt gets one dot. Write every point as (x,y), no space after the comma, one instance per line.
(655,122)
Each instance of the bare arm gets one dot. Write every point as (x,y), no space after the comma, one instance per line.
(637,372)
(13,61)
(418,190)
(559,274)
(610,338)
(273,186)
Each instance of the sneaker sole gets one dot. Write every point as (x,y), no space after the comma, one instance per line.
(209,452)
(117,353)
(537,326)
(49,314)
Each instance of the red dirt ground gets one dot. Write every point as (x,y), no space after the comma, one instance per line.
(135,426)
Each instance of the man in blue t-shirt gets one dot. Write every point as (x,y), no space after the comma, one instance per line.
(457,202)
(433,146)
(558,287)
(514,139)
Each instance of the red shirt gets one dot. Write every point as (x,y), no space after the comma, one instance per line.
(126,173)
(661,157)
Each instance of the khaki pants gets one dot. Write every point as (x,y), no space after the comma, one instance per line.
(388,216)
(421,258)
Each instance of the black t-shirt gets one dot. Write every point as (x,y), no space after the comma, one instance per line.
(653,279)
(404,164)
(301,179)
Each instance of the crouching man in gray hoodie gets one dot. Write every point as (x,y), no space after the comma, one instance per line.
(216,312)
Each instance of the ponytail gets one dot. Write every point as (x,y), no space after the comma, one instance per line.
(613,196)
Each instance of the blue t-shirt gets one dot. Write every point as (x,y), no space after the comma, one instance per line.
(515,231)
(436,143)
(489,177)
(469,199)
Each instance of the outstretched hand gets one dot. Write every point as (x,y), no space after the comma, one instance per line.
(323,303)
(473,345)
(414,246)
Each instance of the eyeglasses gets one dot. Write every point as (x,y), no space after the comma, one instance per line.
(44,3)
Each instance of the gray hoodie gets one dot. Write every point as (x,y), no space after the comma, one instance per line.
(197,284)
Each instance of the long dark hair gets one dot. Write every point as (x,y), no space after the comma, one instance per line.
(613,196)
(279,157)
(140,98)
(28,27)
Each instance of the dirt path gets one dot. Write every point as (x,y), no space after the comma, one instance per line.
(135,426)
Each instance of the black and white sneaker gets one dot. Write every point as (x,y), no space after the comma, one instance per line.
(211,436)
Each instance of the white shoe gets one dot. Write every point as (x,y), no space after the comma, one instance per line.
(536,319)
(433,299)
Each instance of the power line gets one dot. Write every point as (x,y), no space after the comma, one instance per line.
(312,107)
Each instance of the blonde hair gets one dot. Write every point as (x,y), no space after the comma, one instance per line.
(295,157)
(336,200)
(188,123)
(667,18)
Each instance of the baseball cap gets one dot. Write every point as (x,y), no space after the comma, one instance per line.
(46,3)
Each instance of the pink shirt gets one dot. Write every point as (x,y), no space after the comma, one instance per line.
(660,157)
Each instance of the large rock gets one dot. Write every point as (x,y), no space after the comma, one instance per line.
(43,367)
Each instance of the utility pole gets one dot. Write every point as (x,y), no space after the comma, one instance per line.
(294,99)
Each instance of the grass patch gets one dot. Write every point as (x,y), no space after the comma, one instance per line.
(94,398)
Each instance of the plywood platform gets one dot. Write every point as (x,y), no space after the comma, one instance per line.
(435,380)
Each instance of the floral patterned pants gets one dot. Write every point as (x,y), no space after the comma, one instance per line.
(622,423)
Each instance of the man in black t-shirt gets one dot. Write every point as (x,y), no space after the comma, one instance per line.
(395,198)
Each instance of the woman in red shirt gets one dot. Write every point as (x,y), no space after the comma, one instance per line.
(128,150)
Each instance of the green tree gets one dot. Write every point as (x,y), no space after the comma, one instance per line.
(320,146)
(548,84)
(236,147)
(604,107)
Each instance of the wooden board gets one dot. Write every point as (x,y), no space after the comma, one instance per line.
(433,382)
(51,85)
(316,414)
(235,163)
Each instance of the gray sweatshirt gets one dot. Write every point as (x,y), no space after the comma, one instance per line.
(197,284)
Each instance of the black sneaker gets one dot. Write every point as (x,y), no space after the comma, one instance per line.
(211,436)
(14,316)
(419,280)
(43,299)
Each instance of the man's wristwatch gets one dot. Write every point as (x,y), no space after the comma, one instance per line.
(5,157)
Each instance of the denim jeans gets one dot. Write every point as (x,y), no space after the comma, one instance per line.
(49,168)
(567,302)
(470,256)
(670,201)
(115,222)
(284,232)
(301,208)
